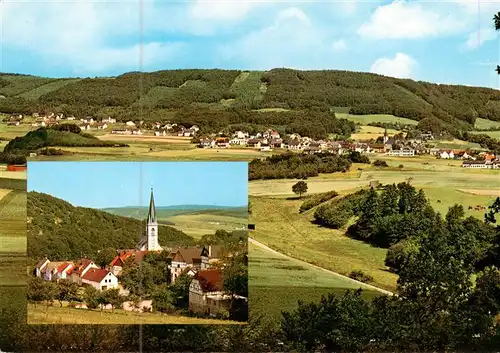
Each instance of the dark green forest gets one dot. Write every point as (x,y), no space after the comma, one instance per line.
(214,98)
(58,230)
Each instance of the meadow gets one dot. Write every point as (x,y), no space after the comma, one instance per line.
(376,118)
(276,283)
(42,314)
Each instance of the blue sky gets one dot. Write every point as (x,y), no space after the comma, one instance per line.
(120,184)
(439,41)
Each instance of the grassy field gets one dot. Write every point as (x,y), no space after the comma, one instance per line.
(13,218)
(11,132)
(371,132)
(277,283)
(12,269)
(42,314)
(486,124)
(280,226)
(376,118)
(197,225)
(494,134)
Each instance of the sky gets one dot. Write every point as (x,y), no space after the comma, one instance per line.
(121,184)
(451,42)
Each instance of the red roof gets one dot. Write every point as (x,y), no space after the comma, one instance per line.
(65,265)
(82,265)
(210,280)
(95,275)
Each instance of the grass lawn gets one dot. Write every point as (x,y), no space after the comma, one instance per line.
(42,314)
(277,283)
(16,244)
(10,132)
(376,118)
(280,226)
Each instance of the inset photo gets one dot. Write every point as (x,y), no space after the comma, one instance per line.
(137,242)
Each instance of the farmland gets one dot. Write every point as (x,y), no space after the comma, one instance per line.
(376,118)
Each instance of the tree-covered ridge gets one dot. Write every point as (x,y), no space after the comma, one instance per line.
(43,137)
(232,93)
(61,231)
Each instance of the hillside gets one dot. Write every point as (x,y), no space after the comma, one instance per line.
(168,211)
(216,98)
(59,230)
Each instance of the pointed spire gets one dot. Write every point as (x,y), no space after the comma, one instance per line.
(152,209)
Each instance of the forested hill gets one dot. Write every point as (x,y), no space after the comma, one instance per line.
(217,98)
(61,231)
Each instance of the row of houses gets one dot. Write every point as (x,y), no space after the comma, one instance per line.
(206,293)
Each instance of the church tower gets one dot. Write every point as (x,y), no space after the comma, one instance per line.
(386,137)
(150,241)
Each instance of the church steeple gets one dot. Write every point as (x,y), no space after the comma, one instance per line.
(152,209)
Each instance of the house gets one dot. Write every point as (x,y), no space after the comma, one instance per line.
(101,126)
(64,271)
(130,123)
(40,266)
(403,152)
(475,164)
(265,148)
(240,134)
(13,123)
(295,145)
(238,141)
(50,270)
(446,155)
(312,148)
(377,148)
(100,279)
(254,143)
(195,128)
(109,120)
(135,131)
(276,143)
(116,265)
(222,142)
(207,143)
(206,293)
(182,258)
(161,133)
(188,133)
(71,118)
(81,268)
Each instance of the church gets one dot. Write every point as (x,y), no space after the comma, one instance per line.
(149,241)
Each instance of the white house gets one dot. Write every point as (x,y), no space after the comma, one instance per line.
(160,133)
(446,155)
(194,258)
(403,152)
(64,271)
(130,123)
(238,141)
(81,269)
(40,266)
(240,134)
(100,279)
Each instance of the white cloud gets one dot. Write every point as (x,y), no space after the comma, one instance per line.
(291,41)
(481,6)
(400,66)
(401,19)
(78,33)
(339,45)
(477,38)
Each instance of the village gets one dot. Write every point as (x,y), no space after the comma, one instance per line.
(271,140)
(202,264)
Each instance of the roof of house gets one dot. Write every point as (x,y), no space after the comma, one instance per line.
(68,266)
(82,264)
(189,255)
(41,262)
(210,280)
(52,266)
(95,275)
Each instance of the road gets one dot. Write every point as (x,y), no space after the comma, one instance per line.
(306,264)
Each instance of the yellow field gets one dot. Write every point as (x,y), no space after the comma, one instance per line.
(146,138)
(11,175)
(3,192)
(57,315)
(372,132)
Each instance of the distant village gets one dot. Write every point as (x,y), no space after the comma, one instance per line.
(203,264)
(269,140)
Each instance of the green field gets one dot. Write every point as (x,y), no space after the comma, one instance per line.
(276,283)
(372,132)
(13,217)
(494,134)
(11,132)
(42,314)
(486,124)
(12,269)
(376,118)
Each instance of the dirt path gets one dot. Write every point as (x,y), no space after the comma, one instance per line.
(303,263)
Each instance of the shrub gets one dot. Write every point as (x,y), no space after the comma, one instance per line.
(379,163)
(359,275)
(401,166)
(315,200)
